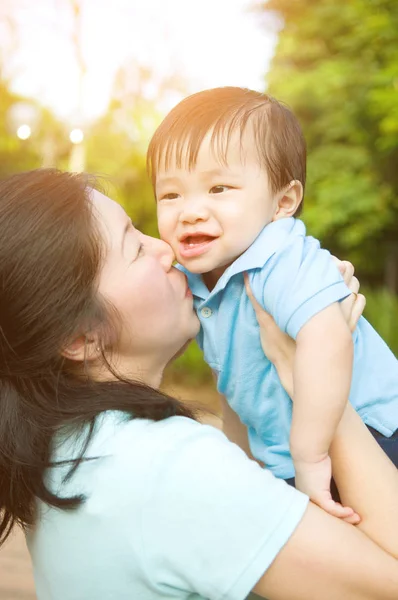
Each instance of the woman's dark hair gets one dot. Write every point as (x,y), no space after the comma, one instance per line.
(50,258)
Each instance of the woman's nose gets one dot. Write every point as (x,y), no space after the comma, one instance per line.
(161,250)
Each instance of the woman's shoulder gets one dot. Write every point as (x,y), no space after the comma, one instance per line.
(137,447)
(154,443)
(174,456)
(125,454)
(119,432)
(116,431)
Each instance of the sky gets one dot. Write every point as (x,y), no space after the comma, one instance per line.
(206,43)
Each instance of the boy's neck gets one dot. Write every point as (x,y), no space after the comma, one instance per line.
(211,278)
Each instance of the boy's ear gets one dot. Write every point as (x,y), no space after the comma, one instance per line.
(82,348)
(289,200)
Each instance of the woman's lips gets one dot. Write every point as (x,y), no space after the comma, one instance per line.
(195,245)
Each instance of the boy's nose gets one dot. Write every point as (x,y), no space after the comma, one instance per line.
(160,250)
(193,211)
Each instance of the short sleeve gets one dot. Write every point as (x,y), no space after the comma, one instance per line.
(213,520)
(298,282)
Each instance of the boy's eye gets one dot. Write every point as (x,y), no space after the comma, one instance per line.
(218,189)
(169,196)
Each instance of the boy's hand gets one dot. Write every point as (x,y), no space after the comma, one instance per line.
(313,478)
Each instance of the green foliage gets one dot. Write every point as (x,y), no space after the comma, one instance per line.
(116,147)
(48,145)
(382,311)
(117,143)
(336,66)
(15,154)
(190,367)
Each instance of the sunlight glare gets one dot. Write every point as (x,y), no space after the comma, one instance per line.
(24,132)
(199,45)
(76,136)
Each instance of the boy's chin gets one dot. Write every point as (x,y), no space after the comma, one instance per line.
(198,267)
(205,266)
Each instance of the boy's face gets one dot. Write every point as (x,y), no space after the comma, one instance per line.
(212,213)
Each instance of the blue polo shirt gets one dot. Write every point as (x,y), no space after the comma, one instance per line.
(293,279)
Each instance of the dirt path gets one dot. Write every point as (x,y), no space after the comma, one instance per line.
(16,579)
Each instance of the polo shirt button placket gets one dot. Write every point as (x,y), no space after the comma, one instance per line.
(206,312)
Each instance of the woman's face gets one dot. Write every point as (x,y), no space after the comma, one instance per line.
(151,296)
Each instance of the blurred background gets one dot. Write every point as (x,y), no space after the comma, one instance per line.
(84,83)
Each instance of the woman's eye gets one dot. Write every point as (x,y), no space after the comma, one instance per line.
(218,189)
(139,253)
(169,196)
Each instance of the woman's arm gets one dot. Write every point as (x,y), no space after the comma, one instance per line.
(367,480)
(327,559)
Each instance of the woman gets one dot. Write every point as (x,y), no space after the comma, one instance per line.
(91,312)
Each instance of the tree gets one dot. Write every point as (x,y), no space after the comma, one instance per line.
(15,155)
(336,66)
(117,143)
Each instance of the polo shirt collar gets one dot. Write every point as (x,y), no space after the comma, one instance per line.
(269,240)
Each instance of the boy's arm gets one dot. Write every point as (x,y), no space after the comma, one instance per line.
(321,379)
(365,477)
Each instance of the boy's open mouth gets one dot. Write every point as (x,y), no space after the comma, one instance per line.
(195,245)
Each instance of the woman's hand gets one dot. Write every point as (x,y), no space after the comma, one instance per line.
(280,348)
(353,306)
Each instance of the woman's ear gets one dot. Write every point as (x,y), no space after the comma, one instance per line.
(83,348)
(290,200)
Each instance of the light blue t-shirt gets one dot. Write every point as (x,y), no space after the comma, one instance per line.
(293,279)
(172,510)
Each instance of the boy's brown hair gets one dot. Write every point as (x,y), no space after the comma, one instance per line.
(279,139)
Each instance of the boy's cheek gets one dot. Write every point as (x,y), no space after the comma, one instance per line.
(163,229)
(166,233)
(167,222)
